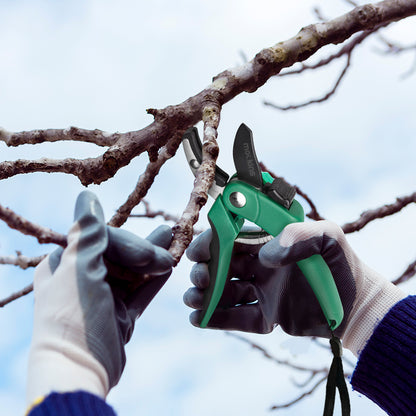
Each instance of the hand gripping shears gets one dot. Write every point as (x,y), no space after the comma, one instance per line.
(269,203)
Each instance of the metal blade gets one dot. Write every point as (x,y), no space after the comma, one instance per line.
(245,159)
(193,151)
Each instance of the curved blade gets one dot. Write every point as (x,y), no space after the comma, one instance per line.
(193,151)
(245,159)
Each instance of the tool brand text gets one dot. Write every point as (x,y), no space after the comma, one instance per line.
(249,159)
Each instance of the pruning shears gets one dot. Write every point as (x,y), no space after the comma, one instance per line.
(268,202)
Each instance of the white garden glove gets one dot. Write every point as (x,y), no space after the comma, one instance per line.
(268,289)
(81,322)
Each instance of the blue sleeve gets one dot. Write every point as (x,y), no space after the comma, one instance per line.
(79,403)
(386,370)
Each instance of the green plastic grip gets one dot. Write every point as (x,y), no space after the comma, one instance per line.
(258,208)
(225,229)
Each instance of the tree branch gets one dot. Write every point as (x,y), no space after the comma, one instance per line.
(44,235)
(301,396)
(328,95)
(21,261)
(16,295)
(286,363)
(407,274)
(183,230)
(314,214)
(381,212)
(144,183)
(98,137)
(225,86)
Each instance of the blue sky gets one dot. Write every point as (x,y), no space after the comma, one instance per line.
(100,64)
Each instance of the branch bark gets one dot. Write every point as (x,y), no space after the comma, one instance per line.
(183,230)
(381,212)
(24,262)
(172,120)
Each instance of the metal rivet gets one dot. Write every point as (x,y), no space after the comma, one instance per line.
(194,164)
(237,199)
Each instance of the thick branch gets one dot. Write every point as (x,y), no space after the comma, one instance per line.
(381,212)
(228,84)
(345,50)
(98,137)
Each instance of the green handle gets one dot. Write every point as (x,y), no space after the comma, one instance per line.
(272,217)
(225,229)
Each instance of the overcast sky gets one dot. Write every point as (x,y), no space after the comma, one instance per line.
(100,64)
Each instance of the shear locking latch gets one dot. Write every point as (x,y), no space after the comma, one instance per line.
(281,192)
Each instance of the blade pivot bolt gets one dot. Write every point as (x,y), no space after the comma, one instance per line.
(238,199)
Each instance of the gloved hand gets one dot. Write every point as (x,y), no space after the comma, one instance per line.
(268,288)
(81,322)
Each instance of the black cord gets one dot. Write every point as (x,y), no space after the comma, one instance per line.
(336,380)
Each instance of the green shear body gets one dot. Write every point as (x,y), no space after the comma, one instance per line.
(226,221)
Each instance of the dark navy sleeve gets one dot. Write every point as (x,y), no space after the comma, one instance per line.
(386,369)
(77,403)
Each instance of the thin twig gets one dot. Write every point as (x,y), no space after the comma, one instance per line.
(143,184)
(328,95)
(407,274)
(16,295)
(44,235)
(277,361)
(301,396)
(381,212)
(150,213)
(313,214)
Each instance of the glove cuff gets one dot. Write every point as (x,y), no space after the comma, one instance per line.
(375,297)
(63,370)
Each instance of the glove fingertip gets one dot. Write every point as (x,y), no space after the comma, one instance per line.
(198,250)
(161,236)
(270,255)
(87,204)
(195,318)
(200,275)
